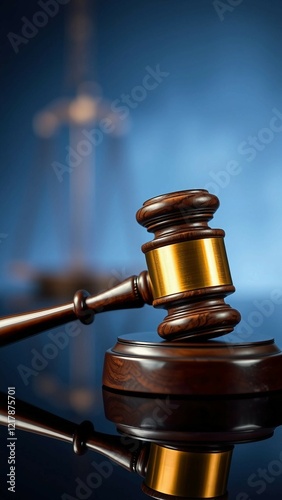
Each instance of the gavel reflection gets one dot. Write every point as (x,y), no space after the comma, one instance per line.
(186,455)
(188,275)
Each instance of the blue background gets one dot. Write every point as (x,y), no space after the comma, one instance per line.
(192,131)
(224,81)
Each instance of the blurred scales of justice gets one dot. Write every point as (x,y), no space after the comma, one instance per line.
(90,121)
(81,115)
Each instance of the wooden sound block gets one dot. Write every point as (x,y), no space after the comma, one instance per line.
(143,364)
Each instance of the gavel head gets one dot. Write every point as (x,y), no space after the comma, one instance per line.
(187,265)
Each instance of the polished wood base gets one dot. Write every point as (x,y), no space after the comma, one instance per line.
(179,368)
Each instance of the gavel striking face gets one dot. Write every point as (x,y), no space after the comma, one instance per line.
(188,275)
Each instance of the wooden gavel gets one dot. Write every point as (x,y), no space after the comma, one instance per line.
(188,275)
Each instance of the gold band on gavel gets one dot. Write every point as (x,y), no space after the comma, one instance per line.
(188,265)
(188,474)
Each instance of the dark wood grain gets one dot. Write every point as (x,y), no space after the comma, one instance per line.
(178,217)
(133,292)
(144,365)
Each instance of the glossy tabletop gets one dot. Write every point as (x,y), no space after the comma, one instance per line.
(61,371)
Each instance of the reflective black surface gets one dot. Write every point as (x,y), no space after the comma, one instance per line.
(60,371)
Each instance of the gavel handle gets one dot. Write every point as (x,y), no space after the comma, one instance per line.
(133,292)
